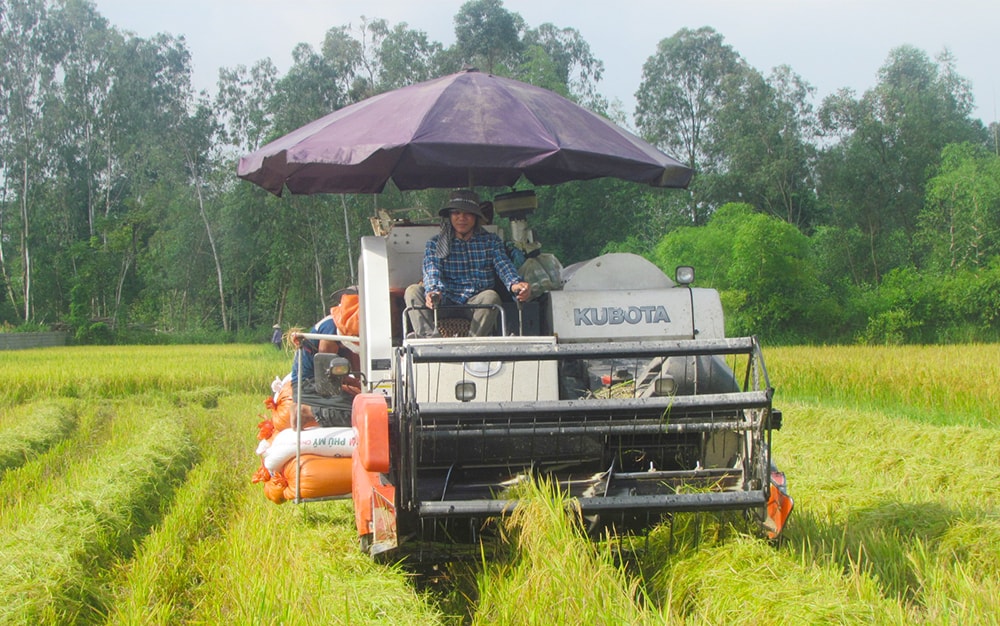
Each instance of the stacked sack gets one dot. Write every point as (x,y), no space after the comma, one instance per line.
(323,468)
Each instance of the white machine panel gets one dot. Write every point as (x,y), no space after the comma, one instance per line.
(495,381)
(630,315)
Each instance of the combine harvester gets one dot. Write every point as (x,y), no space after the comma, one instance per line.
(616,382)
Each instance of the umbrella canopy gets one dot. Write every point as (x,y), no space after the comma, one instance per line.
(464,129)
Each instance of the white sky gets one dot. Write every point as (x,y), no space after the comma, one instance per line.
(830,43)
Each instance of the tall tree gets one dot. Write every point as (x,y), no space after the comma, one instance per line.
(489,36)
(873,175)
(573,70)
(393,57)
(762,143)
(242,104)
(960,221)
(683,87)
(28,72)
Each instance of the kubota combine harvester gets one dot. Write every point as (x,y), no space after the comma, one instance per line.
(615,382)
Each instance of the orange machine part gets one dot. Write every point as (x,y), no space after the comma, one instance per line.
(370,417)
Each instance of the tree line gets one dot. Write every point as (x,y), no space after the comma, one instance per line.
(863,217)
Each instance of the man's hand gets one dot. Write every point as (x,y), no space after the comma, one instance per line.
(521,291)
(432,299)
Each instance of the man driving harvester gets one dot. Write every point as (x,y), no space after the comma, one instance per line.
(459,267)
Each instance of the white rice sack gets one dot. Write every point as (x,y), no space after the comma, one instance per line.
(335,441)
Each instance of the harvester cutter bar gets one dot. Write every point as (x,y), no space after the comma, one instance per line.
(677,502)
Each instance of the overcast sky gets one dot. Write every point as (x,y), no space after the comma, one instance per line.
(830,43)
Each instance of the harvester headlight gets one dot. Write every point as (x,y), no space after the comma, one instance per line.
(339,367)
(684,274)
(665,386)
(465,391)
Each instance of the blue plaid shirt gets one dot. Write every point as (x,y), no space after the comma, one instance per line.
(469,267)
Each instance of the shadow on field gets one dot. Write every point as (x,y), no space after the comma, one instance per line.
(453,586)
(877,539)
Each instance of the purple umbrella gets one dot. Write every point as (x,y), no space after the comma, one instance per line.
(465,129)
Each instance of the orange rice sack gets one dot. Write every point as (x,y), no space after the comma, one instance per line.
(284,411)
(274,490)
(318,477)
(345,315)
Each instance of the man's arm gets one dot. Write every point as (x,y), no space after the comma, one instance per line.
(508,273)
(431,268)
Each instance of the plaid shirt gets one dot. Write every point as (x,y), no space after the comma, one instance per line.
(469,267)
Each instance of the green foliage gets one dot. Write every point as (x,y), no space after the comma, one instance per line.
(762,142)
(96,333)
(960,221)
(761,266)
(873,177)
(27,327)
(488,36)
(123,222)
(931,307)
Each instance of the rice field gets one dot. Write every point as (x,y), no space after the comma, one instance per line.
(126,498)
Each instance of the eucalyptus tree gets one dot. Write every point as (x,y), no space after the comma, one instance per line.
(960,220)
(574,71)
(297,251)
(489,36)
(763,146)
(242,103)
(873,174)
(149,101)
(395,56)
(28,73)
(684,85)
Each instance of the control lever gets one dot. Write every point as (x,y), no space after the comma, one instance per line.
(435,303)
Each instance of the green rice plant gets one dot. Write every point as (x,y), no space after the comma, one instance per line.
(555,575)
(206,397)
(886,496)
(935,384)
(27,431)
(223,553)
(959,575)
(155,585)
(120,371)
(745,580)
(892,456)
(22,486)
(58,552)
(299,564)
